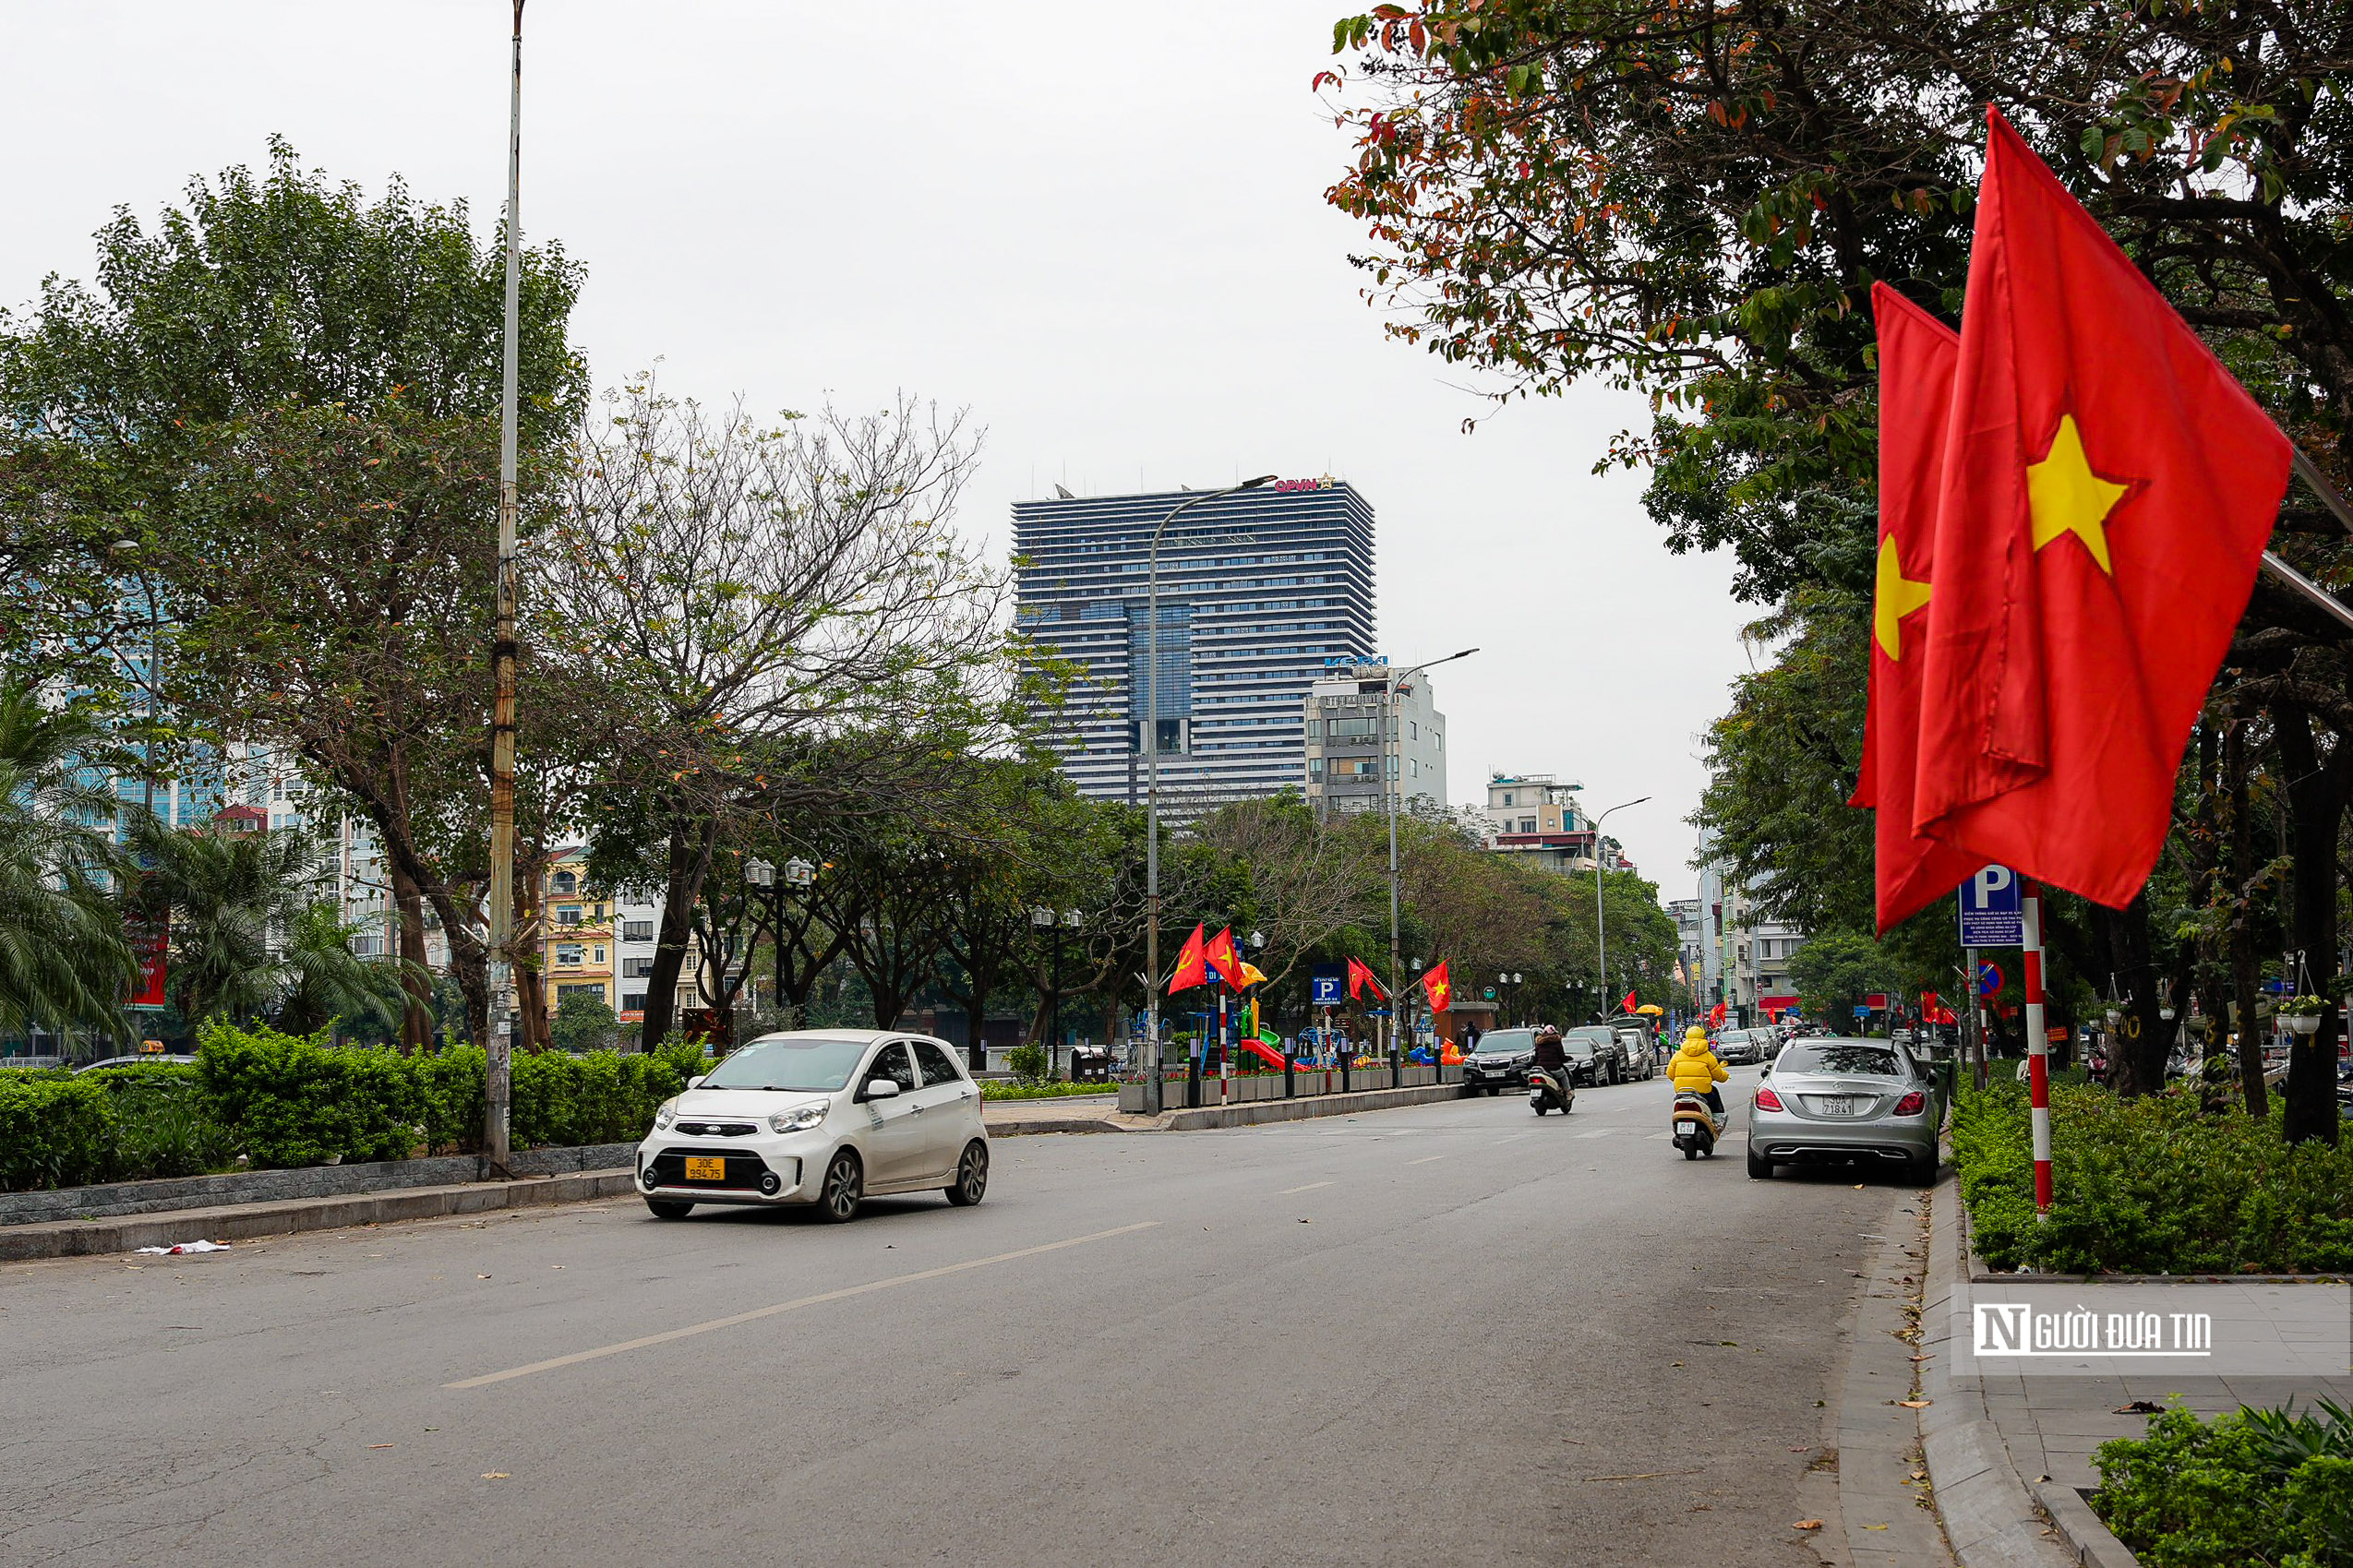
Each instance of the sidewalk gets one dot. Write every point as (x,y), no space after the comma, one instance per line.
(2001,1446)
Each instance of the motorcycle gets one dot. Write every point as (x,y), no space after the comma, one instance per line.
(1549,1089)
(1696,1126)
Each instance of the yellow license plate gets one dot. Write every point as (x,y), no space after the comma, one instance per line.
(705,1167)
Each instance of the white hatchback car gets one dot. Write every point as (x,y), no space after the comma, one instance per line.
(819,1116)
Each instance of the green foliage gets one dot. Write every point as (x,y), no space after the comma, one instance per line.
(582,1023)
(996,1089)
(1027,1064)
(296,1102)
(598,1097)
(2152,1185)
(2251,1487)
(166,1122)
(63,957)
(54,1131)
(1835,971)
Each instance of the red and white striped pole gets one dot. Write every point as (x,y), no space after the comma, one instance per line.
(2038,1049)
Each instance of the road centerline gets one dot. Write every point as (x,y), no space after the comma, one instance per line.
(1425,1160)
(646,1341)
(1309,1187)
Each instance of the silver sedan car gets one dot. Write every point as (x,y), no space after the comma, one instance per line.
(1860,1101)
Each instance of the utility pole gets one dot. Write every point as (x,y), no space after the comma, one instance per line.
(499,1047)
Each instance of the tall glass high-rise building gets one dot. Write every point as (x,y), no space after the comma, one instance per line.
(1257,590)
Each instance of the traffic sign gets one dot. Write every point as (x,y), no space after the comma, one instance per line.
(1861,1010)
(1989,979)
(1990,913)
(1327,979)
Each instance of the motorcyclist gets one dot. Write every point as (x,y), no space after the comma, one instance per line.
(1550,1057)
(1696,1070)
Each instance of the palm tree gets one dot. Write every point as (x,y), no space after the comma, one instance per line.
(325,983)
(64,958)
(230,891)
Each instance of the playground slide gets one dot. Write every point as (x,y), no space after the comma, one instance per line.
(1262,1050)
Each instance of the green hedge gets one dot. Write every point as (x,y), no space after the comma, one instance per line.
(283,1101)
(2252,1487)
(2152,1185)
(51,1130)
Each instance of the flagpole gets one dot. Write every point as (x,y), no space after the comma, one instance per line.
(2038,1077)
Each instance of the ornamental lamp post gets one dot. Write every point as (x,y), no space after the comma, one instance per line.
(1600,933)
(1393,760)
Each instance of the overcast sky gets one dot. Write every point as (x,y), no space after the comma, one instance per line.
(1099,227)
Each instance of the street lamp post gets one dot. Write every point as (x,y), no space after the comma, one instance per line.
(1600,933)
(1148,732)
(1393,760)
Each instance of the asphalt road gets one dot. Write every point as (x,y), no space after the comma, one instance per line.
(1449,1333)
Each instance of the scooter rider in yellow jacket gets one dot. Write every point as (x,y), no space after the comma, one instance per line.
(1695,1068)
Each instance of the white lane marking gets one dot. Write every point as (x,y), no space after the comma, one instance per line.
(1598,1132)
(1309,1187)
(793,1305)
(1425,1160)
(1513,1139)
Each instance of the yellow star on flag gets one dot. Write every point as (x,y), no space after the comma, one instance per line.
(1898,596)
(2065,496)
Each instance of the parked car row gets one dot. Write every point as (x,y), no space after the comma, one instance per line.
(1598,1053)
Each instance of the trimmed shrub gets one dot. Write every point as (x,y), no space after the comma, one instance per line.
(166,1123)
(598,1097)
(2252,1485)
(54,1131)
(297,1102)
(2153,1185)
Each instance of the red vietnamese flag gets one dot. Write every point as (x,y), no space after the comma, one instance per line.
(1916,357)
(1189,970)
(1628,1005)
(2107,491)
(1360,975)
(1434,981)
(1716,1016)
(1222,960)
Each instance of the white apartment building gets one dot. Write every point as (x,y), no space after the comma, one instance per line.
(1348,754)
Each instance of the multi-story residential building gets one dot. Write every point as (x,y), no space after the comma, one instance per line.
(1257,590)
(1744,956)
(1534,818)
(577,937)
(1348,754)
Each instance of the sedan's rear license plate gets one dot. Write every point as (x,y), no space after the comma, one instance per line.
(1838,1104)
(705,1167)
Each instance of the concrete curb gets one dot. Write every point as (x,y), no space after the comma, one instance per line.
(1881,1520)
(238,1222)
(1241,1113)
(1991,1519)
(1250,1113)
(2095,1544)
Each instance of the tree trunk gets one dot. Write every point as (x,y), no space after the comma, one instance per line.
(689,862)
(531,924)
(416,980)
(2137,1059)
(2242,939)
(2315,816)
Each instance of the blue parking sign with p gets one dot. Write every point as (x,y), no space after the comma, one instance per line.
(1328,979)
(1990,911)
